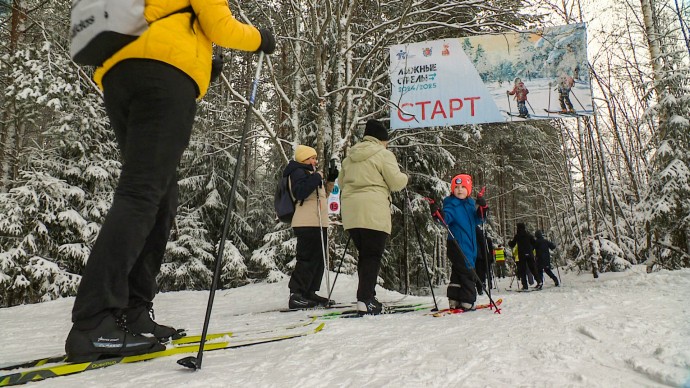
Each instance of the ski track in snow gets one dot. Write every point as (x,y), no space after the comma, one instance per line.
(627,329)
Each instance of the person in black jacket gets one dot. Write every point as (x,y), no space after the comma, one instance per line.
(310,224)
(525,242)
(542,247)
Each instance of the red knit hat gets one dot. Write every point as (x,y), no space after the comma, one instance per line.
(463,180)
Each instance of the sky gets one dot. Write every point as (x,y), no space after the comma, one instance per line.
(628,329)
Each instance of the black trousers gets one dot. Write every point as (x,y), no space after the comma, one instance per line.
(462,280)
(549,272)
(370,245)
(527,262)
(309,268)
(151,107)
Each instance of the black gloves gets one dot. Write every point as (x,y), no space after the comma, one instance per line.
(268,41)
(332,172)
(216,67)
(481,202)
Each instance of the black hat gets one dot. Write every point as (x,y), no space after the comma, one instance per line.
(376,129)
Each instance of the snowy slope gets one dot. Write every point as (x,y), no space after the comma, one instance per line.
(627,329)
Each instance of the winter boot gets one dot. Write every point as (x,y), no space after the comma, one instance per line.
(298,301)
(322,302)
(108,338)
(453,304)
(539,286)
(467,306)
(140,320)
(557,283)
(370,307)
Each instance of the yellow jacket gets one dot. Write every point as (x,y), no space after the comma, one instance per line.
(172,40)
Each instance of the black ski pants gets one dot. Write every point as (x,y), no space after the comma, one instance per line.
(549,272)
(309,268)
(151,107)
(527,263)
(370,246)
(462,280)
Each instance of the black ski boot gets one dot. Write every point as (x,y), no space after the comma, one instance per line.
(322,302)
(108,338)
(298,301)
(140,320)
(370,307)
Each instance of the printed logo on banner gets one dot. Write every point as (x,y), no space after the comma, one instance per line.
(427,51)
(401,55)
(446,50)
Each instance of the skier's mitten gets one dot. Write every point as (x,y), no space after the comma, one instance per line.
(332,174)
(481,202)
(268,41)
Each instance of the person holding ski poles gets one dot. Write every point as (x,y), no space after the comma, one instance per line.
(462,215)
(520,92)
(150,88)
(565,84)
(369,174)
(306,184)
(542,246)
(525,243)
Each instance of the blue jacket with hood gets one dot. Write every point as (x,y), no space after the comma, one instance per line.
(462,218)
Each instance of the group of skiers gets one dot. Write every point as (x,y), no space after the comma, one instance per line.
(564,84)
(368,175)
(150,88)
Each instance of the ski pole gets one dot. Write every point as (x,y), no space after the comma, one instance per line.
(578,100)
(531,107)
(191,361)
(342,258)
(324,248)
(510,109)
(421,249)
(550,85)
(486,243)
(439,217)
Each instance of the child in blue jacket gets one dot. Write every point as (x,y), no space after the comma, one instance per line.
(462,215)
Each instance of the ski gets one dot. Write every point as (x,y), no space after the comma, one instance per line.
(445,312)
(332,307)
(573,114)
(187,340)
(387,309)
(43,373)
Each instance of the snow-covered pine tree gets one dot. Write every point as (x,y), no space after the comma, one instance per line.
(50,213)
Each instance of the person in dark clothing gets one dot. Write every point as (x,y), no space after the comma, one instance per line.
(525,242)
(485,259)
(310,224)
(542,246)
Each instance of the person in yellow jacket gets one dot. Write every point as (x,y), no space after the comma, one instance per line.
(150,88)
(368,175)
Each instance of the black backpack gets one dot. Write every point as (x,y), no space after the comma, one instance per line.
(283,201)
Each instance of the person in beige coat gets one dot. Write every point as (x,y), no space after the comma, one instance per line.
(307,188)
(369,174)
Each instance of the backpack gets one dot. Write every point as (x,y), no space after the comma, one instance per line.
(100,28)
(283,201)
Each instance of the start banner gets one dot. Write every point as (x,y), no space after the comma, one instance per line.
(539,74)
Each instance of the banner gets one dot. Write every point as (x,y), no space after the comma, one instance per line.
(539,74)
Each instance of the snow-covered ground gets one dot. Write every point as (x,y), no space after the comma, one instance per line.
(628,329)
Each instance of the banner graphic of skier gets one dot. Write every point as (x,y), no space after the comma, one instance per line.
(532,75)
